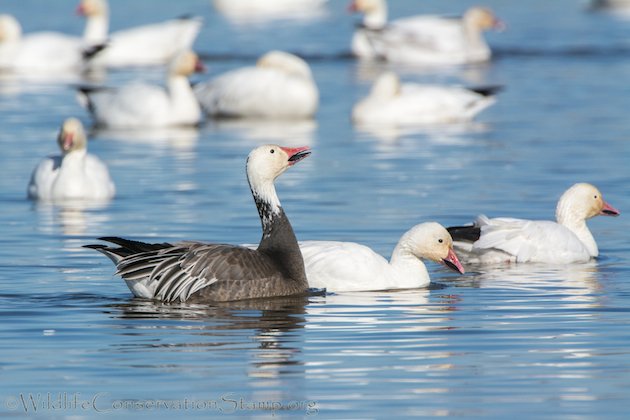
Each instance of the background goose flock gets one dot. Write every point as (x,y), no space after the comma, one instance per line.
(281,86)
(441,138)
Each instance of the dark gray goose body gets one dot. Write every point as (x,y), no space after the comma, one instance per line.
(196,271)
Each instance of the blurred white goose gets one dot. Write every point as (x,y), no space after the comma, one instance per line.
(348,266)
(393,103)
(153,44)
(251,10)
(423,39)
(39,52)
(73,175)
(140,105)
(279,86)
(565,241)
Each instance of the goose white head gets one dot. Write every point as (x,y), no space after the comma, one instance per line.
(265,164)
(430,241)
(581,202)
(283,61)
(186,63)
(482,19)
(386,86)
(72,136)
(91,8)
(374,12)
(10,29)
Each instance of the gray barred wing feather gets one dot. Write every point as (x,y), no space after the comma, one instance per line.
(176,272)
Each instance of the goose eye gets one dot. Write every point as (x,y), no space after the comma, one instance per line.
(440,240)
(595,196)
(272,151)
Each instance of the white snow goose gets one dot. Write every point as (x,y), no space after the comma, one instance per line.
(567,240)
(153,44)
(393,103)
(198,271)
(141,105)
(348,266)
(423,39)
(73,175)
(280,86)
(247,11)
(37,52)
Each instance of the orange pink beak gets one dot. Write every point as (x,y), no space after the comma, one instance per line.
(68,140)
(609,210)
(296,154)
(452,262)
(199,67)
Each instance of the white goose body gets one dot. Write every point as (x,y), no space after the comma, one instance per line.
(427,39)
(152,44)
(279,86)
(348,266)
(73,175)
(252,8)
(567,240)
(391,102)
(207,272)
(140,105)
(39,52)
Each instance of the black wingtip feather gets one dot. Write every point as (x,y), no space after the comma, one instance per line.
(95,246)
(92,51)
(468,233)
(135,246)
(487,90)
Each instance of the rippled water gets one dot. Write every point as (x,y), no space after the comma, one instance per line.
(538,341)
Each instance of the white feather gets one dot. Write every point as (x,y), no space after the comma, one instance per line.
(284,89)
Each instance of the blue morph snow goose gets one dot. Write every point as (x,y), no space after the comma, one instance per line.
(197,271)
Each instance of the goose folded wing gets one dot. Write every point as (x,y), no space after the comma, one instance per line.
(529,240)
(182,269)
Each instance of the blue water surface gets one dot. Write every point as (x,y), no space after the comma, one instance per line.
(533,341)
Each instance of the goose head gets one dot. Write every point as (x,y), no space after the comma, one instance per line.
(10,29)
(482,19)
(264,165)
(374,12)
(92,8)
(432,241)
(283,61)
(581,202)
(72,136)
(186,63)
(268,162)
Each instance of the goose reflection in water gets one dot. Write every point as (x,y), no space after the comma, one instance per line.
(271,325)
(572,284)
(177,139)
(260,131)
(75,217)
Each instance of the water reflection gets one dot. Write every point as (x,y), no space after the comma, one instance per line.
(269,324)
(76,217)
(285,132)
(534,276)
(448,134)
(395,312)
(179,139)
